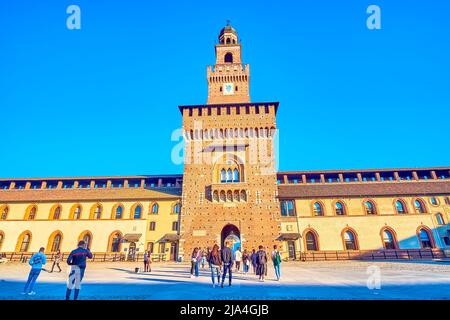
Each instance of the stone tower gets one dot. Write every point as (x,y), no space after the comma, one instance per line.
(228,80)
(229,182)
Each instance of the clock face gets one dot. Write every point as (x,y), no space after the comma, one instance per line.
(228,89)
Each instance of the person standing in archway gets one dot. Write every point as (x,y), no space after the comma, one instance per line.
(238,259)
(227,260)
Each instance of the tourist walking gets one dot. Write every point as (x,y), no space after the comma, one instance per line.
(77,262)
(146,261)
(203,258)
(253,260)
(261,256)
(227,260)
(276,259)
(208,253)
(238,259)
(36,262)
(194,263)
(245,261)
(215,262)
(56,261)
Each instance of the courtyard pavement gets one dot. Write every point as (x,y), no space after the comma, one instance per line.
(300,280)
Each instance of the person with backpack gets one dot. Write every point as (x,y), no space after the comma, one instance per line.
(36,262)
(276,259)
(56,261)
(227,260)
(261,257)
(215,262)
(77,262)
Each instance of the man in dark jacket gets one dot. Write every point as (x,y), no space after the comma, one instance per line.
(77,262)
(227,260)
(261,259)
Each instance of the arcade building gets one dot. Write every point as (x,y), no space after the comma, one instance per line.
(230,190)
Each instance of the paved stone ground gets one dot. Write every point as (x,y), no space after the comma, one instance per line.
(300,280)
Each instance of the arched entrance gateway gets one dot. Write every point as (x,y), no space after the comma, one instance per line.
(232,234)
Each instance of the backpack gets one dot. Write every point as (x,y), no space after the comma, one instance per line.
(277,259)
(262,257)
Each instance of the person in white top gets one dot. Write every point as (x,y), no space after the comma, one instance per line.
(238,259)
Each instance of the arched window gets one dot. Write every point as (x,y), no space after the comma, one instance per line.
(228,56)
(440,219)
(97,213)
(311,241)
(229,175)
(235,175)
(339,209)
(400,206)
(229,196)
(137,212)
(350,241)
(236,196)
(223,196)
(77,213)
(87,240)
(155,208)
(32,213)
(434,201)
(419,206)
(176,208)
(369,207)
(4,212)
(223,176)
(56,213)
(425,238)
(115,242)
(118,212)
(56,243)
(243,195)
(389,241)
(24,242)
(216,196)
(317,209)
(86,236)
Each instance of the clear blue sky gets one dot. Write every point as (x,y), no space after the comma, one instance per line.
(103,100)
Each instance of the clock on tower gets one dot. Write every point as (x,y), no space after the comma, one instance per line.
(228,89)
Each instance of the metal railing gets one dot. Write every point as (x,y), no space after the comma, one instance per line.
(96,257)
(397,254)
